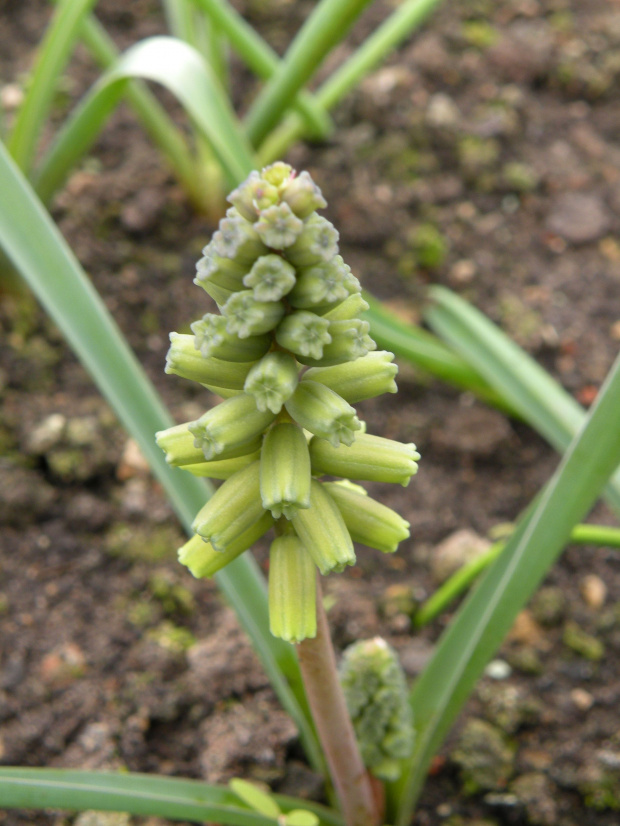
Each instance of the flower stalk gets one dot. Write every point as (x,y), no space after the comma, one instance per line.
(329,710)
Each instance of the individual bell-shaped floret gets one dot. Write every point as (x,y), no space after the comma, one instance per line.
(351,307)
(292,590)
(212,269)
(285,470)
(245,316)
(204,561)
(272,381)
(322,530)
(368,458)
(229,426)
(367,377)
(349,341)
(184,360)
(271,278)
(236,238)
(222,468)
(214,341)
(368,521)
(179,445)
(375,690)
(254,194)
(303,195)
(232,510)
(321,284)
(277,174)
(317,243)
(278,227)
(304,334)
(323,412)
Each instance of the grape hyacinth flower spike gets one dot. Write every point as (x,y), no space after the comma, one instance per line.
(290,355)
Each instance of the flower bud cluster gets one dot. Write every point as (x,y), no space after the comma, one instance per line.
(375,690)
(290,354)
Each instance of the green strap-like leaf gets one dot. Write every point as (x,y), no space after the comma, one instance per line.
(263,60)
(139,794)
(406,18)
(156,121)
(487,615)
(324,28)
(511,372)
(53,54)
(38,251)
(179,68)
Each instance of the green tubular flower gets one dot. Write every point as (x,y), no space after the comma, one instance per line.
(278,226)
(277,174)
(272,381)
(351,307)
(292,590)
(285,470)
(322,530)
(229,427)
(222,392)
(369,522)
(368,458)
(220,272)
(323,412)
(236,238)
(253,195)
(212,264)
(375,690)
(179,445)
(219,294)
(321,284)
(204,561)
(232,510)
(349,341)
(303,195)
(222,468)
(318,243)
(247,317)
(304,334)
(367,377)
(213,340)
(184,360)
(270,278)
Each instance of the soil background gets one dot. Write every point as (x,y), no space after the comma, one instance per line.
(482,155)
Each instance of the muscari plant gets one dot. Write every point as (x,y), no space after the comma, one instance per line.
(491,363)
(290,354)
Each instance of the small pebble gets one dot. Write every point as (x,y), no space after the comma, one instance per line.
(593,591)
(525,629)
(455,551)
(578,217)
(582,699)
(132,462)
(47,434)
(11,96)
(463,271)
(498,670)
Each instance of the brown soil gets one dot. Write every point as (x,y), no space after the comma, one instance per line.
(496,126)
